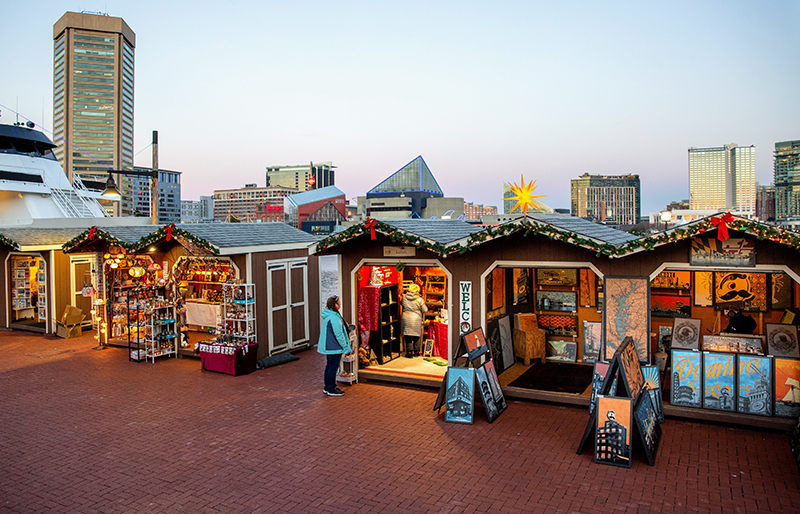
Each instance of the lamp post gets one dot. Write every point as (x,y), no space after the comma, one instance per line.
(666,217)
(112,193)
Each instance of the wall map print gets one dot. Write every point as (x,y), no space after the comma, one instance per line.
(627,314)
(709,251)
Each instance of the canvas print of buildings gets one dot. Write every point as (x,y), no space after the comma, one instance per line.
(787,387)
(564,351)
(591,341)
(613,431)
(556,277)
(755,385)
(459,398)
(720,344)
(719,381)
(686,378)
(710,251)
(563,301)
(652,382)
(598,376)
(486,394)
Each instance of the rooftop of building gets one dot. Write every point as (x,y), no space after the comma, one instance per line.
(413,177)
(315,195)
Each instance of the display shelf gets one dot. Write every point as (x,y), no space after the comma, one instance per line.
(385,342)
(239,315)
(152,316)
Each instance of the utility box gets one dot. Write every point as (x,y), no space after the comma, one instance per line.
(70,323)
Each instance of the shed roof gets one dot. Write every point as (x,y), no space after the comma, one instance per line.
(314,195)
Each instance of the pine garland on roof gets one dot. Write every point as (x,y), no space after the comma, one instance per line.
(6,241)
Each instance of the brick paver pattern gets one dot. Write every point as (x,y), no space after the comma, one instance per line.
(87,431)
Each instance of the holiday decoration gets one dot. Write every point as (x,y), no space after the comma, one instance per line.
(371,225)
(8,242)
(524,196)
(721,223)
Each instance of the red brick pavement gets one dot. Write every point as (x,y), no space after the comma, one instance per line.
(88,431)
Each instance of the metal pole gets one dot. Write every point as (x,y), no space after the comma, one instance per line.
(154,182)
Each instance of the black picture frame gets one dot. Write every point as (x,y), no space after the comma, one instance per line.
(648,427)
(613,431)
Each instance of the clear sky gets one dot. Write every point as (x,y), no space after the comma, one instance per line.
(484,91)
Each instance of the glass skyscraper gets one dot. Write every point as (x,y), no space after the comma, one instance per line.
(93,71)
(723,178)
(787,180)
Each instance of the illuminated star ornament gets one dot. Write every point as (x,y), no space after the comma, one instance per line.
(524,196)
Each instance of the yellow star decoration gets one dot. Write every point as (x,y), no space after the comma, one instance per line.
(524,196)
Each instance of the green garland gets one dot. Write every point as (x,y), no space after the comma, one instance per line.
(529,226)
(83,237)
(8,242)
(150,239)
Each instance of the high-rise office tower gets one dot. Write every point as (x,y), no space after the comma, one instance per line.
(787,180)
(612,198)
(723,178)
(303,177)
(93,63)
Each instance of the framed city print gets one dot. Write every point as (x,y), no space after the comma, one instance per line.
(598,376)
(459,405)
(746,291)
(787,388)
(703,288)
(734,251)
(686,334)
(780,291)
(721,344)
(494,384)
(670,306)
(627,313)
(612,439)
(591,341)
(664,337)
(678,280)
(751,344)
(562,351)
(754,392)
(687,368)
(652,384)
(558,324)
(562,301)
(556,277)
(782,340)
(486,394)
(476,344)
(719,381)
(648,426)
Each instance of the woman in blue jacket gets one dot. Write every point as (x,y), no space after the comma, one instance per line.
(333,342)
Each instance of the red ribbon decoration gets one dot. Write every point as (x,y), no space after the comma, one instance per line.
(371,225)
(169,231)
(92,233)
(722,225)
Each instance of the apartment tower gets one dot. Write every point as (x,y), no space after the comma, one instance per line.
(611,198)
(723,178)
(787,180)
(93,65)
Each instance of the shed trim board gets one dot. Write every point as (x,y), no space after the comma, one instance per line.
(91,260)
(50,289)
(758,268)
(416,263)
(287,265)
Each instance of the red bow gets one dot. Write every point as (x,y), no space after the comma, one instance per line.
(371,225)
(92,233)
(169,231)
(722,225)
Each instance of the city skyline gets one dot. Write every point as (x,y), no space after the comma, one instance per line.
(547,91)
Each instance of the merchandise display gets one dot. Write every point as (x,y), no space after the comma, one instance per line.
(152,323)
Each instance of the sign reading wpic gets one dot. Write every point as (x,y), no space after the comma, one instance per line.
(465,299)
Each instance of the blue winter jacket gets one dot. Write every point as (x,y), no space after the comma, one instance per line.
(333,336)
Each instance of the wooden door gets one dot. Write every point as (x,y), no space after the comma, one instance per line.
(81,276)
(287,304)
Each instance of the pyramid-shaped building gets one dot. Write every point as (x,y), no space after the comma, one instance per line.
(410,186)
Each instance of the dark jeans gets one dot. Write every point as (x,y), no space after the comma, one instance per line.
(412,344)
(330,370)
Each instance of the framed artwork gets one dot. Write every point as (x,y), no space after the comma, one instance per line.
(670,306)
(40,289)
(588,287)
(628,361)
(475,343)
(493,340)
(564,351)
(787,388)
(522,286)
(564,301)
(734,251)
(703,288)
(664,337)
(652,384)
(649,427)
(598,376)
(556,277)
(459,402)
(680,280)
(427,351)
(686,334)
(780,291)
(719,381)
(486,394)
(626,313)
(612,439)
(498,288)
(494,385)
(686,378)
(40,276)
(591,341)
(782,340)
(506,359)
(754,392)
(751,344)
(558,324)
(720,344)
(746,291)
(789,317)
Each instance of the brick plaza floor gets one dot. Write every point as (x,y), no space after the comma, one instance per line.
(87,431)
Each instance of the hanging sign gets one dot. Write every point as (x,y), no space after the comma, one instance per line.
(465,299)
(399,251)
